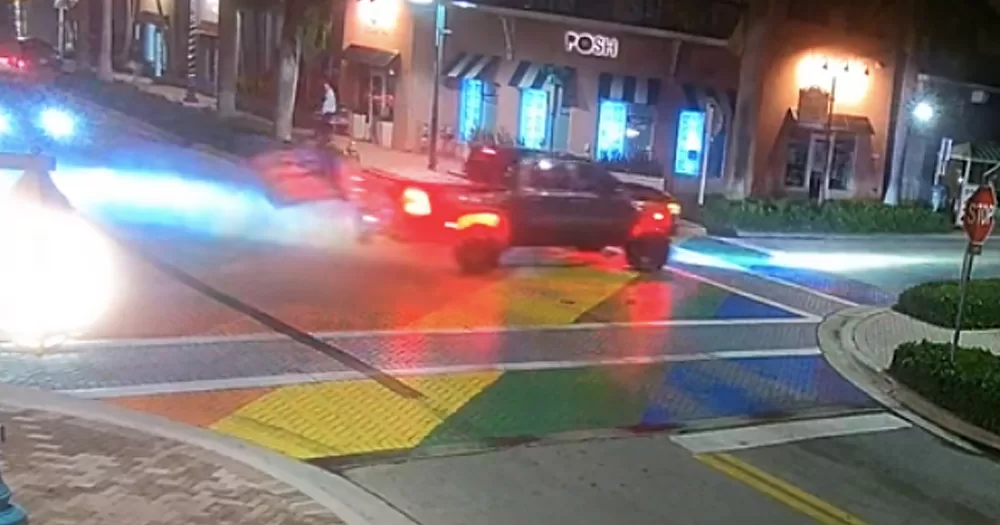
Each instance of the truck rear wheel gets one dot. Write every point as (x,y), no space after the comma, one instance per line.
(478,255)
(647,254)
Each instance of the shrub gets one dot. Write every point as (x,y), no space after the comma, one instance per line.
(937,302)
(969,386)
(787,215)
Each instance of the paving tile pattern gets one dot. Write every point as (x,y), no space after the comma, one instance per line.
(879,333)
(69,471)
(111,366)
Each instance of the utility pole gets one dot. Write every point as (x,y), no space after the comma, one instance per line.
(440,30)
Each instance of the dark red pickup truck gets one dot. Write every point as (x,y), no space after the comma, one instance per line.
(516,197)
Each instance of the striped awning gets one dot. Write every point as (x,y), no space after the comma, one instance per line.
(624,88)
(698,97)
(534,75)
(987,153)
(471,65)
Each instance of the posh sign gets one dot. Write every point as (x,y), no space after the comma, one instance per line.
(590,44)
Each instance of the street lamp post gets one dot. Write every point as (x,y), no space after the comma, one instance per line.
(440,30)
(831,137)
(191,80)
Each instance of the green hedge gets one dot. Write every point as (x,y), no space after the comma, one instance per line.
(937,302)
(969,387)
(781,215)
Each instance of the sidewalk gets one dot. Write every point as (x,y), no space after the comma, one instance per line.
(83,462)
(860,342)
(881,332)
(68,470)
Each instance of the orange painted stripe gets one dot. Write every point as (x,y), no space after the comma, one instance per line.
(201,409)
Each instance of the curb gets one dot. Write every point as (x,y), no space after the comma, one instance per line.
(741,234)
(350,503)
(839,347)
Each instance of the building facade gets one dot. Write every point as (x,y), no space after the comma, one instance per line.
(820,78)
(624,95)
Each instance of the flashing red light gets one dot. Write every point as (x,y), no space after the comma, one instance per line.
(489,151)
(13,62)
(653,221)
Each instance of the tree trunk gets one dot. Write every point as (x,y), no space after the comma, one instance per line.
(228,57)
(105,71)
(289,57)
(131,7)
(82,47)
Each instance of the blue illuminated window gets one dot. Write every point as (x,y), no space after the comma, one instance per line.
(534,121)
(470,108)
(690,143)
(612,121)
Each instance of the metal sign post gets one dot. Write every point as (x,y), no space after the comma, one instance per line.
(706,151)
(978,220)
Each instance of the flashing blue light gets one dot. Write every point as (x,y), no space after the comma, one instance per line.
(690,143)
(57,123)
(6,124)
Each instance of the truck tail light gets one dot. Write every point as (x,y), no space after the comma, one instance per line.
(416,202)
(657,220)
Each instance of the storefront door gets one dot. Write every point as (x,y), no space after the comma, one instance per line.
(380,104)
(818,151)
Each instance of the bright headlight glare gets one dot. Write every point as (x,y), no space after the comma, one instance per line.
(57,276)
(58,123)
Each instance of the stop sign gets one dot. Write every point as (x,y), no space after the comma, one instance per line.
(978,216)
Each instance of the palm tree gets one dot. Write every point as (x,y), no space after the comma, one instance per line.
(104,69)
(304,33)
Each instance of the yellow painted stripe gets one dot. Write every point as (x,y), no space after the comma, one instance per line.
(351,417)
(546,296)
(780,490)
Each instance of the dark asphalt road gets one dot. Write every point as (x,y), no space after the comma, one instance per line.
(199,214)
(899,477)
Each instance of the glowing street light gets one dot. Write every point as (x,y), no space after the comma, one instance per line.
(58,273)
(924,112)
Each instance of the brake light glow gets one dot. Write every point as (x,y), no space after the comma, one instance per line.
(477,219)
(653,222)
(416,202)
(14,62)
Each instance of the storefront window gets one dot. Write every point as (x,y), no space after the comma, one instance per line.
(690,143)
(625,133)
(639,131)
(470,108)
(534,119)
(612,122)
(153,50)
(477,110)
(806,162)
(842,170)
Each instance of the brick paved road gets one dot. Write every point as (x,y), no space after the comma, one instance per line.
(65,470)
(129,365)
